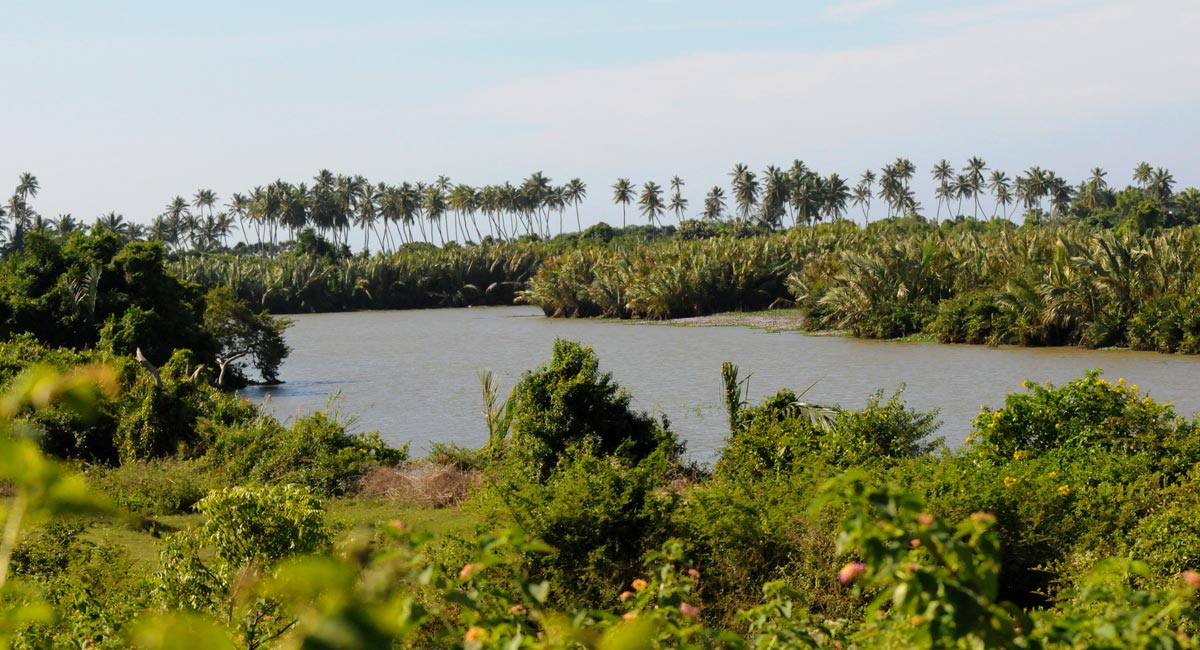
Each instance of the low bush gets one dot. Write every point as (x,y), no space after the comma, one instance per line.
(315,451)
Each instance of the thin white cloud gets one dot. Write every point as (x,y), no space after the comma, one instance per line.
(856,8)
(1005,10)
(1039,72)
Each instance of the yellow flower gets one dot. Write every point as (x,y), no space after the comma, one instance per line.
(1134,388)
(1053,474)
(1101,382)
(1010,481)
(1020,454)
(1064,490)
(1024,383)
(1120,380)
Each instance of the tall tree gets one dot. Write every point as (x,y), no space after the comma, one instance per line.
(1142,174)
(622,195)
(943,173)
(745,190)
(974,170)
(714,204)
(678,203)
(1000,186)
(651,202)
(866,187)
(574,194)
(776,195)
(834,195)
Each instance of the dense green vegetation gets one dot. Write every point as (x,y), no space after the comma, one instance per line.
(592,529)
(1065,521)
(1092,265)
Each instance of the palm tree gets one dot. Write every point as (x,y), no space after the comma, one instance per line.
(1092,190)
(866,185)
(114,223)
(18,207)
(797,174)
(904,171)
(975,168)
(890,188)
(714,204)
(1060,194)
(65,224)
(1160,186)
(776,195)
(1142,174)
(834,195)
(807,196)
(27,187)
(745,190)
(204,199)
(622,195)
(434,204)
(962,190)
(998,183)
(678,203)
(942,173)
(366,215)
(651,201)
(174,215)
(860,196)
(574,194)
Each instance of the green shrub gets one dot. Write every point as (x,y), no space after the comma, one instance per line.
(600,513)
(783,432)
(88,583)
(569,403)
(1087,411)
(315,451)
(974,317)
(155,487)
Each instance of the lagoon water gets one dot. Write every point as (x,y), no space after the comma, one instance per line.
(413,375)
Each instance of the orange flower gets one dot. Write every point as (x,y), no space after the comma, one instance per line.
(1192,579)
(626,595)
(468,570)
(639,584)
(629,616)
(688,609)
(475,635)
(851,571)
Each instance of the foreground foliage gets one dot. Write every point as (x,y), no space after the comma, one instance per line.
(1065,522)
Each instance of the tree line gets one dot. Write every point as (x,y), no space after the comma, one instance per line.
(392,215)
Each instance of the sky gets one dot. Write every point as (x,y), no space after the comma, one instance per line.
(120,106)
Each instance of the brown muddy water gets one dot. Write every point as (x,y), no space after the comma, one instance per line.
(413,375)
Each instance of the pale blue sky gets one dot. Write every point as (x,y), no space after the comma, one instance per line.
(122,105)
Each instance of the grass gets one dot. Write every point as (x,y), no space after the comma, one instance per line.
(142,541)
